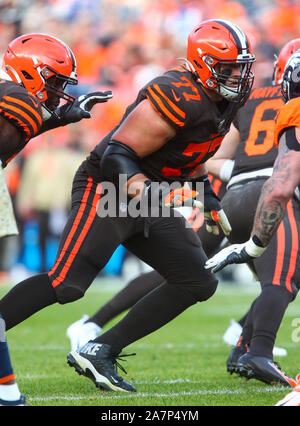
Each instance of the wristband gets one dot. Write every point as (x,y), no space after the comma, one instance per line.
(253,249)
(226,170)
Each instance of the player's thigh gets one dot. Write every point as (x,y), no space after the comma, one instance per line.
(280,264)
(87,242)
(174,250)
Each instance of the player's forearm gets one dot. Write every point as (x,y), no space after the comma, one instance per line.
(135,185)
(276,192)
(220,168)
(270,210)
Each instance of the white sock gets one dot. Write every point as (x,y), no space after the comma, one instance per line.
(10,392)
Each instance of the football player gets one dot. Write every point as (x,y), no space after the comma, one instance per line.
(36,70)
(254,152)
(274,240)
(88,328)
(250,143)
(175,125)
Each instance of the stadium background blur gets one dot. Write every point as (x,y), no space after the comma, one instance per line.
(119,45)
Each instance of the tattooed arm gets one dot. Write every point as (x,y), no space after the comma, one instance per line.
(277,191)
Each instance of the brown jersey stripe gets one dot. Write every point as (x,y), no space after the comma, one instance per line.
(295,245)
(28,121)
(172,105)
(155,100)
(21,124)
(27,107)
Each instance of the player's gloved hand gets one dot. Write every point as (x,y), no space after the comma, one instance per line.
(80,108)
(158,195)
(236,253)
(214,215)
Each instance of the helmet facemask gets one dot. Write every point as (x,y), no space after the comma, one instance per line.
(234,88)
(54,88)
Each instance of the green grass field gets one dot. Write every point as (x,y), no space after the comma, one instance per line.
(183,364)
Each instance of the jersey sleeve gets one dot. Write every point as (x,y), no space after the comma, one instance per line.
(22,109)
(168,102)
(235,121)
(288,116)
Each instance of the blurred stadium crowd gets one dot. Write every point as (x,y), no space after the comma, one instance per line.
(119,45)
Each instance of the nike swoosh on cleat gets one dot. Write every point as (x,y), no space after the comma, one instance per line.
(287,379)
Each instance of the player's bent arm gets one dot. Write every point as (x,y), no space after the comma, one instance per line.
(221,164)
(143,132)
(278,190)
(10,136)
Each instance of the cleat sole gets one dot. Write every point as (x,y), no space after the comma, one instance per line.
(84,368)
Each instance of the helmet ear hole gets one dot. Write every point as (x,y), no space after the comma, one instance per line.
(197,64)
(27,75)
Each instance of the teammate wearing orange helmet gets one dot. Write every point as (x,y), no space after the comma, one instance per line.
(176,123)
(273,240)
(36,71)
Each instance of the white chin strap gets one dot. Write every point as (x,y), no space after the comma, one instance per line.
(229,94)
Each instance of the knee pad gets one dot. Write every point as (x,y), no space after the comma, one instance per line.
(67,293)
(201,291)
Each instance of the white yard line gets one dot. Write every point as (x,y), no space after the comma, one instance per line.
(158,395)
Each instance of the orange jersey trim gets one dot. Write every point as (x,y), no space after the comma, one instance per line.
(295,244)
(22,113)
(7,379)
(175,107)
(280,254)
(79,241)
(21,123)
(163,108)
(26,106)
(75,224)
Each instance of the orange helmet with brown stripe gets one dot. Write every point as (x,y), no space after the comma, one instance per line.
(43,64)
(284,55)
(216,42)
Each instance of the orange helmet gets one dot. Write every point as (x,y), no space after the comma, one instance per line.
(33,59)
(221,42)
(286,52)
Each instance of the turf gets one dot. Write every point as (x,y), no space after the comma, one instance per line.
(183,364)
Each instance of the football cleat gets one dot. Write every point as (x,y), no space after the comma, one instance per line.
(81,332)
(292,399)
(21,402)
(97,362)
(263,369)
(233,358)
(232,335)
